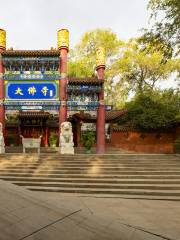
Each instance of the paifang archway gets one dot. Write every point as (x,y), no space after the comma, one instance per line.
(37,80)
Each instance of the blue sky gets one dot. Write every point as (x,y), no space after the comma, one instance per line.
(32,24)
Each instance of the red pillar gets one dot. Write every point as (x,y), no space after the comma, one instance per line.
(46,136)
(2,48)
(100,124)
(63,46)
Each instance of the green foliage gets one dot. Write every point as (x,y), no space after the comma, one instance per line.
(79,68)
(90,41)
(152,42)
(83,56)
(12,118)
(167,16)
(153,111)
(133,66)
(53,138)
(116,92)
(88,140)
(140,69)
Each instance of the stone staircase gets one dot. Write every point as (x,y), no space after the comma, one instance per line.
(78,150)
(110,175)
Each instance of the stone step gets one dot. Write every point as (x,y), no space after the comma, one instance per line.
(101,186)
(88,161)
(115,157)
(140,175)
(104,164)
(91,180)
(105,156)
(81,156)
(143,192)
(88,164)
(19,149)
(96,171)
(84,176)
(89,168)
(120,196)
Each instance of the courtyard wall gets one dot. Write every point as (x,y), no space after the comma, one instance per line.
(146,142)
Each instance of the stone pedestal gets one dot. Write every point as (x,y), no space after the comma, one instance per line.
(67,148)
(66,143)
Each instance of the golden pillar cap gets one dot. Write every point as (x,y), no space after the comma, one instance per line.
(2,38)
(100,57)
(63,38)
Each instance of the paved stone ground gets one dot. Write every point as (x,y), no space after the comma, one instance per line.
(45,216)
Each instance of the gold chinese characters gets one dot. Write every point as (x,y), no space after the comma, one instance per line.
(32,91)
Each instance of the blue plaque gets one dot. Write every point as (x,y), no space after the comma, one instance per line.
(32,90)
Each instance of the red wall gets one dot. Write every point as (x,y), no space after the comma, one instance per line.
(150,142)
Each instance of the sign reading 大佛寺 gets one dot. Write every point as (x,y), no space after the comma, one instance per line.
(33,90)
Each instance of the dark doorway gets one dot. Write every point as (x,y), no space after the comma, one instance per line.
(33,125)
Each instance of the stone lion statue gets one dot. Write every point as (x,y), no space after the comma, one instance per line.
(2,148)
(66,139)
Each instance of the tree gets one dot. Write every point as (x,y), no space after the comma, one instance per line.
(79,68)
(83,60)
(157,111)
(90,41)
(140,68)
(167,16)
(136,65)
(153,42)
(116,93)
(84,53)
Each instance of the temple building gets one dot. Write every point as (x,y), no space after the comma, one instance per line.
(37,95)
